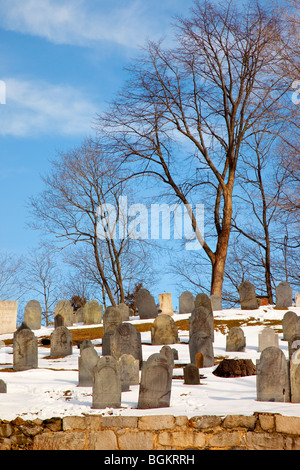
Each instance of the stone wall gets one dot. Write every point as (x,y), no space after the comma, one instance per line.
(262,431)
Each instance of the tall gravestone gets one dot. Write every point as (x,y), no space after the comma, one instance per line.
(235,340)
(164,330)
(65,309)
(61,342)
(33,315)
(92,313)
(248,299)
(186,302)
(146,304)
(86,362)
(201,331)
(267,337)
(272,376)
(165,302)
(25,349)
(202,320)
(284,296)
(8,316)
(126,340)
(295,376)
(111,319)
(290,325)
(201,342)
(106,383)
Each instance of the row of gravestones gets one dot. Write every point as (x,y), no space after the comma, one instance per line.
(284,296)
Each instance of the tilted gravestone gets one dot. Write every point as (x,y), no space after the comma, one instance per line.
(106,383)
(284,296)
(216,302)
(33,315)
(8,316)
(25,349)
(295,376)
(129,371)
(290,325)
(92,313)
(61,342)
(65,309)
(156,383)
(191,374)
(186,302)
(126,340)
(272,376)
(235,340)
(165,302)
(164,330)
(248,299)
(125,311)
(86,363)
(111,319)
(146,304)
(267,337)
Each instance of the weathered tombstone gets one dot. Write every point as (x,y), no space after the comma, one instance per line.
(33,315)
(8,316)
(284,296)
(146,304)
(247,296)
(290,325)
(297,300)
(186,302)
(129,371)
(267,337)
(126,340)
(106,383)
(164,330)
(165,302)
(202,320)
(199,360)
(106,343)
(92,313)
(167,352)
(3,386)
(59,320)
(61,342)
(79,315)
(111,319)
(156,383)
(191,375)
(85,343)
(25,349)
(295,377)
(235,340)
(65,309)
(203,300)
(201,342)
(216,302)
(272,376)
(175,354)
(86,362)
(124,309)
(293,344)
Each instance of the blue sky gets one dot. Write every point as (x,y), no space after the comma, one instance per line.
(62,62)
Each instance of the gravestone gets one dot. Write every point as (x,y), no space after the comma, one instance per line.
(202,320)
(156,383)
(79,315)
(33,315)
(146,304)
(235,340)
(290,325)
(284,296)
(247,296)
(65,309)
(8,316)
(175,354)
(59,320)
(3,386)
(111,319)
(203,300)
(295,376)
(129,371)
(92,313)
(125,310)
(86,362)
(216,302)
(191,374)
(293,344)
(201,342)
(199,360)
(126,340)
(25,349)
(165,302)
(61,342)
(272,376)
(106,343)
(85,343)
(106,383)
(297,300)
(168,353)
(186,302)
(164,330)
(267,337)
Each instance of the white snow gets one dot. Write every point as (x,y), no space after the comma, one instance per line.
(52,390)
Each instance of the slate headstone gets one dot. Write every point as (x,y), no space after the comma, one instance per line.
(248,299)
(201,342)
(59,320)
(146,304)
(272,376)
(106,383)
(126,340)
(202,320)
(284,296)
(191,374)
(25,349)
(186,302)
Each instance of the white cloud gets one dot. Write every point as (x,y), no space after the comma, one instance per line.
(38,107)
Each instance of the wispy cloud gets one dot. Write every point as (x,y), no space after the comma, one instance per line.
(38,107)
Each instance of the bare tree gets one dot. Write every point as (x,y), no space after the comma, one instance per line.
(11,269)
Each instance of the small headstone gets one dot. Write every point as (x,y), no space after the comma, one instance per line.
(272,376)
(146,304)
(33,315)
(59,320)
(267,337)
(61,342)
(199,360)
(175,354)
(293,344)
(106,383)
(165,302)
(284,296)
(126,340)
(124,309)
(297,300)
(92,313)
(25,349)
(65,309)
(216,302)
(86,362)
(3,386)
(295,377)
(191,374)
(111,319)
(186,302)
(290,325)
(164,330)
(247,296)
(129,371)
(235,340)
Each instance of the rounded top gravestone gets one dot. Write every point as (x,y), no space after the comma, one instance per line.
(33,315)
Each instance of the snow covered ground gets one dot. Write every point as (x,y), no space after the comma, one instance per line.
(52,390)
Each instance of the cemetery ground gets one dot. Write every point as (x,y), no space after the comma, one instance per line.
(52,390)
